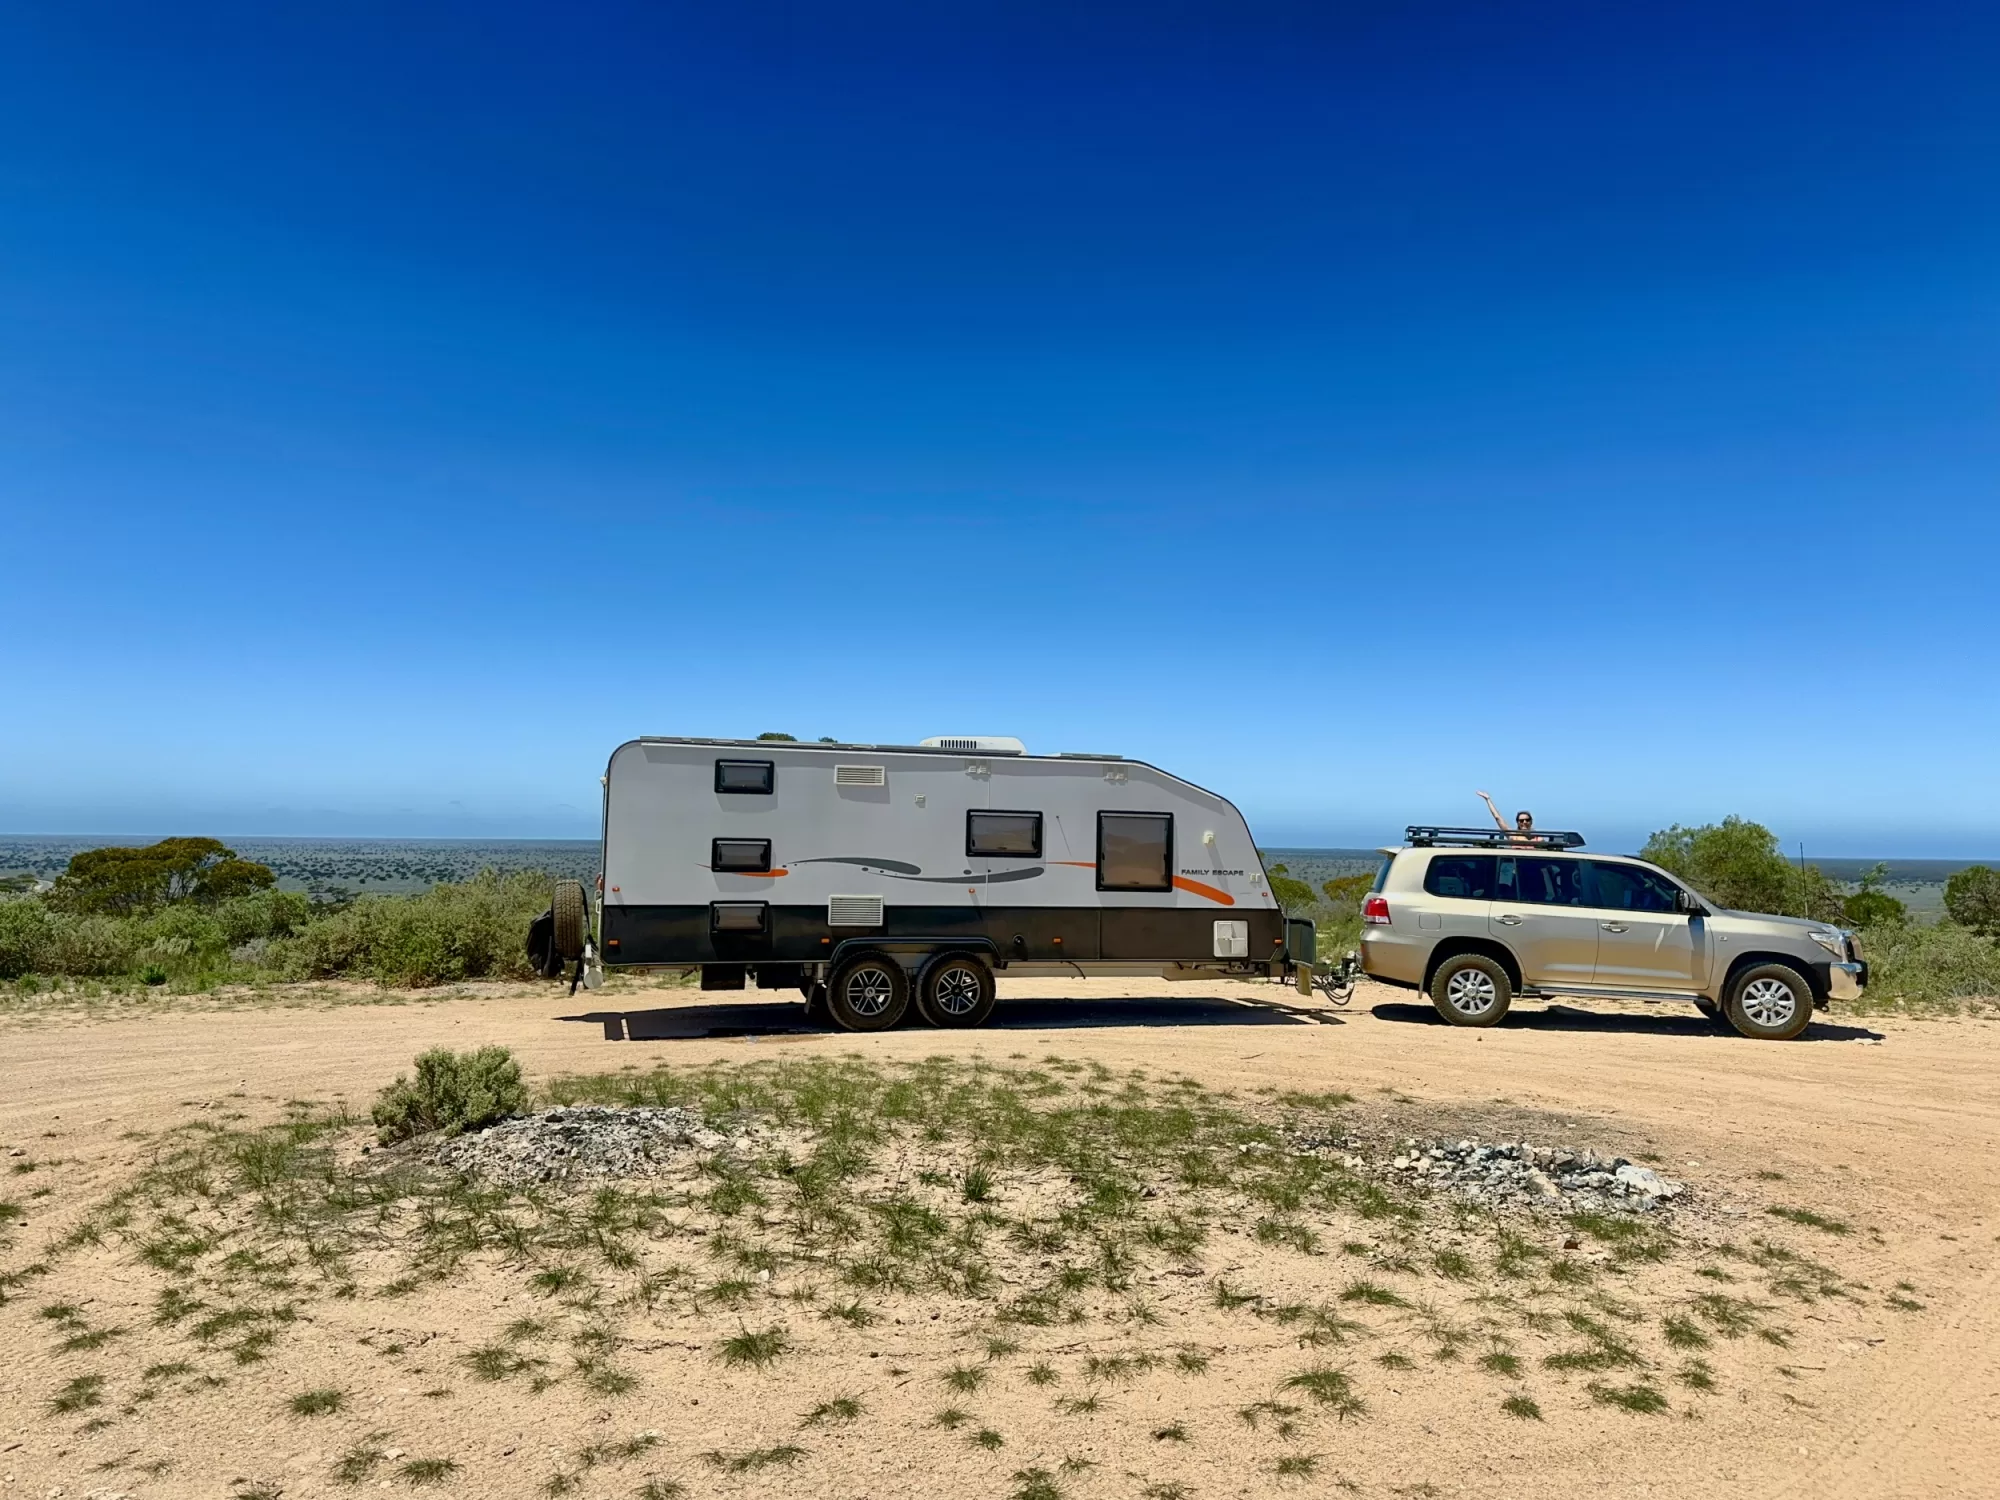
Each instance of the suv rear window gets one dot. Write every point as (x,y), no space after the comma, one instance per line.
(1469,877)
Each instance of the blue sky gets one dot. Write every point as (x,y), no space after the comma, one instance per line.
(1346,407)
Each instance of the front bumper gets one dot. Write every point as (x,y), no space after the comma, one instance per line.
(1844,981)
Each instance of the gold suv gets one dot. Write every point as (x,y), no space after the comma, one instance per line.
(1474,917)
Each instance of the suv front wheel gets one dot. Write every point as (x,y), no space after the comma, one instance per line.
(1771,1002)
(1471,990)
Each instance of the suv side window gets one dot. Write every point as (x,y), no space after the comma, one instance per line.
(1549,882)
(1469,877)
(1629,888)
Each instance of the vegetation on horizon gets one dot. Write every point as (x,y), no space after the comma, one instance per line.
(188,915)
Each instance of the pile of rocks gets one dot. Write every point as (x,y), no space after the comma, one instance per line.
(1516,1174)
(566,1147)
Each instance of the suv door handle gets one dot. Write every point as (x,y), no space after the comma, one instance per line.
(1612,926)
(1510,920)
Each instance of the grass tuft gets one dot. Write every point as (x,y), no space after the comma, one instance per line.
(318,1403)
(750,1461)
(1331,1388)
(839,1409)
(1811,1220)
(755,1349)
(1642,1400)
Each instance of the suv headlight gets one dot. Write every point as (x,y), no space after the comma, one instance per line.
(1834,942)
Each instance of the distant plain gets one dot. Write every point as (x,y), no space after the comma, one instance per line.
(337,868)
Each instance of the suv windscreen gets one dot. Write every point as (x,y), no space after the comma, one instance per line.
(1545,882)
(1469,877)
(1630,888)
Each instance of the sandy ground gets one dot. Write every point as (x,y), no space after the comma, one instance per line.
(1893,1125)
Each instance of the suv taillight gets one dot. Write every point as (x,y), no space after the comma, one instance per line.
(1375,911)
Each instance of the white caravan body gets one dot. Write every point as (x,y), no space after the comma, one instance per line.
(768,861)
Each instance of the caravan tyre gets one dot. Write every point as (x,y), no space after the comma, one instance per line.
(572,920)
(869,993)
(956,992)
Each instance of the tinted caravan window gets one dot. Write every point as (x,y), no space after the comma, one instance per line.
(739,916)
(740,854)
(1469,877)
(1004,833)
(753,776)
(1135,851)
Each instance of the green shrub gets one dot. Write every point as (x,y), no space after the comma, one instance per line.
(262,914)
(453,1092)
(36,938)
(1738,864)
(475,929)
(24,937)
(1972,897)
(1930,964)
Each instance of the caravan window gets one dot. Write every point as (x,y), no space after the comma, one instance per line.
(1135,851)
(755,776)
(1018,834)
(753,855)
(739,916)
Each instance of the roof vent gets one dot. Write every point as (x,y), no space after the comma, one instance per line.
(854,911)
(860,776)
(977,744)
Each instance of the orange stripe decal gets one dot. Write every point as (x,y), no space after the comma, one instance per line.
(755,874)
(1196,888)
(1074,864)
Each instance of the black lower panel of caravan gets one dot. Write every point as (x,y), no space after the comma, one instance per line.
(800,934)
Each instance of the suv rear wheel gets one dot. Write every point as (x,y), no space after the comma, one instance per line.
(1471,990)
(1771,1002)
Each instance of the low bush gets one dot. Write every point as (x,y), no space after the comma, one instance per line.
(1930,964)
(36,938)
(453,1092)
(473,929)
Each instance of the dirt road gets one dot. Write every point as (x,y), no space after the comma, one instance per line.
(1893,1127)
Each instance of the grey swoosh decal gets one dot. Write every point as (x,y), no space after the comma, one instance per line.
(903,870)
(999,879)
(892,866)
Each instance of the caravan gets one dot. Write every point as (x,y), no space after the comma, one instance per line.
(874,877)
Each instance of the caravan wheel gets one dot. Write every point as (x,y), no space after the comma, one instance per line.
(869,993)
(956,992)
(572,920)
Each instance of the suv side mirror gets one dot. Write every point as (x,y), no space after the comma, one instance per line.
(1689,906)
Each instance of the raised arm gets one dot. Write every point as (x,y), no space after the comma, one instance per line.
(1498,821)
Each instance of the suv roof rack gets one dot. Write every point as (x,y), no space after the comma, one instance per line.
(1422,837)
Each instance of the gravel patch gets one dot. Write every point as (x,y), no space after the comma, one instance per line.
(588,1144)
(1514,1174)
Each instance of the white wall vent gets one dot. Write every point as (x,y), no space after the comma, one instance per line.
(860,776)
(1232,939)
(854,911)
